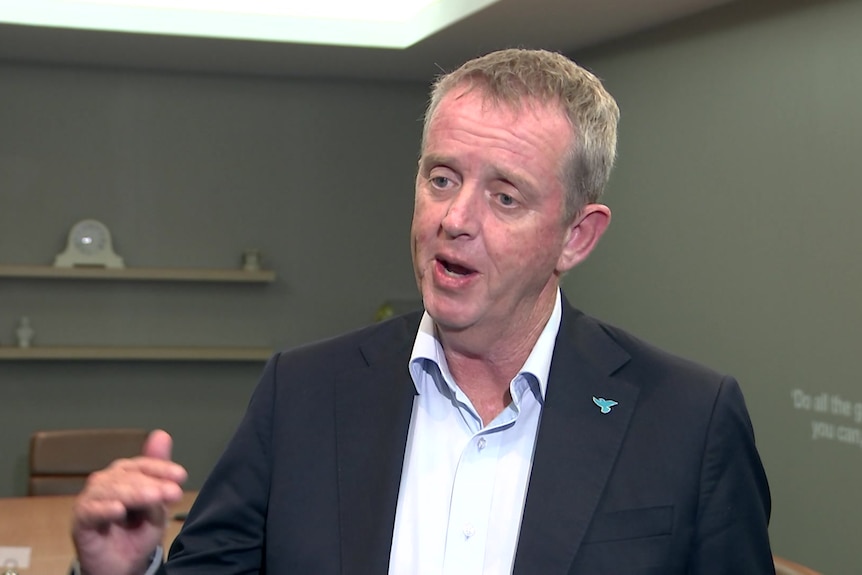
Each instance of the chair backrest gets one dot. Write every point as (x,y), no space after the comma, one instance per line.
(787,567)
(61,460)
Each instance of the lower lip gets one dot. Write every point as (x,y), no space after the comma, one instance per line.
(444,279)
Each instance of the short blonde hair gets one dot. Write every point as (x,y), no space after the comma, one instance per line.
(514,77)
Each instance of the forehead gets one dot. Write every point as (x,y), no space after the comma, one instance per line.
(471,118)
(472,100)
(478,95)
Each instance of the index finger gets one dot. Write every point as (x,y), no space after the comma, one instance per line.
(124,469)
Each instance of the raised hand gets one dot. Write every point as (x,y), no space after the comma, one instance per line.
(120,516)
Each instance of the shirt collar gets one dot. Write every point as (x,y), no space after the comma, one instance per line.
(427,348)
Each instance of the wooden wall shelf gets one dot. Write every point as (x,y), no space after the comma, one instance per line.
(110,353)
(137,274)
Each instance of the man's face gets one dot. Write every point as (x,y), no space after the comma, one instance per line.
(488,229)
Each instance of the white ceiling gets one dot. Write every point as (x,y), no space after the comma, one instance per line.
(562,25)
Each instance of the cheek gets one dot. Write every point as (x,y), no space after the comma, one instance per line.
(536,253)
(425,222)
(420,234)
(416,229)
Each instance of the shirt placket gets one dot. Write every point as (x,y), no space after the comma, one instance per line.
(472,495)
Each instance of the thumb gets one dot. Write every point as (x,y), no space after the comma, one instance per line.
(158,445)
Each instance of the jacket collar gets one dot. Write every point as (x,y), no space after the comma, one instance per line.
(576,445)
(373,406)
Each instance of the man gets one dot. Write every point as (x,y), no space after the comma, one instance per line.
(502,431)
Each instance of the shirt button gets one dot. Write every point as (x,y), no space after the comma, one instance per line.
(481,443)
(469,530)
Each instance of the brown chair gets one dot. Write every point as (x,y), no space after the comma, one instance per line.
(787,567)
(61,460)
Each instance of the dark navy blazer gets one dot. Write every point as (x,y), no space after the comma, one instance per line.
(669,482)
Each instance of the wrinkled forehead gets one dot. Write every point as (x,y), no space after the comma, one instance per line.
(515,97)
(518,103)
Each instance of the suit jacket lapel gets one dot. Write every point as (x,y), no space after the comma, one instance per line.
(373,409)
(576,445)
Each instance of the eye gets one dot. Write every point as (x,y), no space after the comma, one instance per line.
(505,195)
(440,182)
(506,200)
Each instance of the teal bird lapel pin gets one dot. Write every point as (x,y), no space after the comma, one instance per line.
(605,404)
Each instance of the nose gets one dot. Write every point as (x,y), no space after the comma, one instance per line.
(462,216)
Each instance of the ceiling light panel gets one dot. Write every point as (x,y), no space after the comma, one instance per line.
(381,23)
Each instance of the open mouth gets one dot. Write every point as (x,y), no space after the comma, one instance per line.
(455,270)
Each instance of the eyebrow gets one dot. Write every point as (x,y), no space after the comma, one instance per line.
(516,178)
(425,159)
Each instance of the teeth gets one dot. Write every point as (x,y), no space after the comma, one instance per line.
(455,270)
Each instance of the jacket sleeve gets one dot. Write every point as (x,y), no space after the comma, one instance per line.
(734,503)
(224,531)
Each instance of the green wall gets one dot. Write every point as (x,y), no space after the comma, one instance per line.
(735,237)
(188,171)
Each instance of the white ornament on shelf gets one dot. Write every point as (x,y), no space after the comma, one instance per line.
(251,260)
(25,332)
(89,244)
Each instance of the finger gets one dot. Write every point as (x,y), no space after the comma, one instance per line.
(91,513)
(158,445)
(95,514)
(107,500)
(137,482)
(154,468)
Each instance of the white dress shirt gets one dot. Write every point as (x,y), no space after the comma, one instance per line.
(463,485)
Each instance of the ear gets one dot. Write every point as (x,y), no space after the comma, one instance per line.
(582,235)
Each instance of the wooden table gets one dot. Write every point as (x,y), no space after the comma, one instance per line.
(44,523)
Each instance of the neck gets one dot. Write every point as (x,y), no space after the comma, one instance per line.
(483,367)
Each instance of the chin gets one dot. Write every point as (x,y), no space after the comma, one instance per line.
(448,314)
